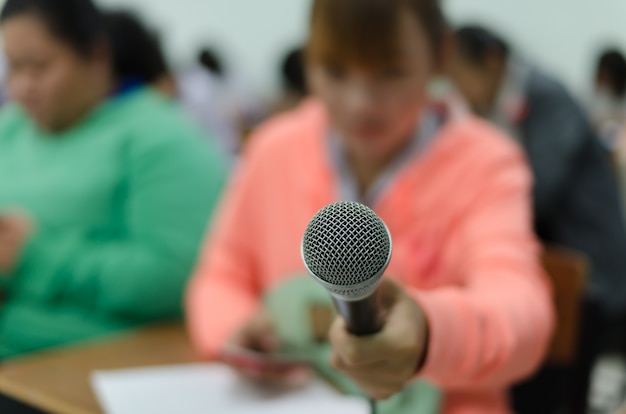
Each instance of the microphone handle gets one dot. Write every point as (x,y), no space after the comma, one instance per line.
(363,317)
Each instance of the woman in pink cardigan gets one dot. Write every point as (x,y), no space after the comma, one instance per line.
(469,308)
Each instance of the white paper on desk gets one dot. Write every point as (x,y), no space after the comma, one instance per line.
(211,388)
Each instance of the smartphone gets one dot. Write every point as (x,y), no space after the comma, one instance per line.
(252,361)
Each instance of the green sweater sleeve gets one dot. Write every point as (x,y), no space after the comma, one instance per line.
(172,186)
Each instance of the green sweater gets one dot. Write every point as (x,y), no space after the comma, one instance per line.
(120,204)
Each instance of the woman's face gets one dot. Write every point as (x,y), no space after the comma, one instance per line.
(375,109)
(53,83)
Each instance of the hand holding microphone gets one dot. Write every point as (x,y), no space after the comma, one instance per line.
(381,338)
(382,364)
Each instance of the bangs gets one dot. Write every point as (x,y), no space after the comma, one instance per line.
(355,32)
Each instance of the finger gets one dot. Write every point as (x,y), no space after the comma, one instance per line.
(336,362)
(5,255)
(372,381)
(9,244)
(246,340)
(389,292)
(261,332)
(381,372)
(406,328)
(299,376)
(380,394)
(258,335)
(379,390)
(264,342)
(268,342)
(356,351)
(6,238)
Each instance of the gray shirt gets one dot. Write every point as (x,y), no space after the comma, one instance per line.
(576,198)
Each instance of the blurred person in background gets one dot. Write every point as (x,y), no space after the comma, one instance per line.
(139,54)
(608,106)
(105,189)
(138,57)
(467,306)
(210,95)
(204,93)
(293,79)
(576,199)
(210,60)
(608,109)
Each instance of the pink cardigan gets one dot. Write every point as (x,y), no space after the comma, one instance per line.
(459,216)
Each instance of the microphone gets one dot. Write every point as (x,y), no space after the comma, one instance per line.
(346,248)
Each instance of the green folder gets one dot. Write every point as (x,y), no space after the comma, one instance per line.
(290,306)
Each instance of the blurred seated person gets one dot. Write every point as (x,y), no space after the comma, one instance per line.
(293,77)
(576,201)
(204,93)
(467,306)
(210,60)
(608,106)
(210,95)
(105,190)
(138,49)
(137,53)
(199,92)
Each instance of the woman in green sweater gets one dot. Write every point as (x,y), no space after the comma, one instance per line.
(105,188)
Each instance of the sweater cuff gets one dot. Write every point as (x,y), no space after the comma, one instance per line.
(448,318)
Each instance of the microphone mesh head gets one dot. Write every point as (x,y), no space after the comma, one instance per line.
(347,247)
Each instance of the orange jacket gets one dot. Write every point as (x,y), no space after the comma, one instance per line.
(459,215)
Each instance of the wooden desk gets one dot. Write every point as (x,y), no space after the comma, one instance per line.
(58,381)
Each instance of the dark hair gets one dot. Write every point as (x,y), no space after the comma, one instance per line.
(365,31)
(612,67)
(476,44)
(78,23)
(137,52)
(209,59)
(293,73)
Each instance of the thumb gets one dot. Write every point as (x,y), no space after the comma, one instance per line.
(389,294)
(262,336)
(268,341)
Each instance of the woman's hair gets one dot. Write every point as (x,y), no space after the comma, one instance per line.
(612,68)
(137,53)
(476,44)
(77,23)
(293,72)
(366,31)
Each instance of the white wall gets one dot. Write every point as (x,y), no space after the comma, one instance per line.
(563,35)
